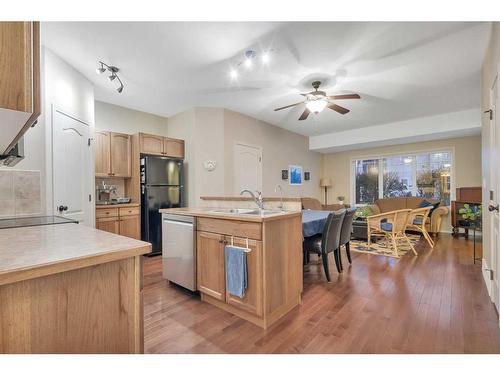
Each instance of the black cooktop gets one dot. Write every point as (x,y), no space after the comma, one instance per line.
(34,221)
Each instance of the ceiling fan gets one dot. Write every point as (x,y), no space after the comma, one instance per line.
(317,100)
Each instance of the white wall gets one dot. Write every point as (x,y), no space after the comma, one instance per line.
(210,134)
(68,90)
(124,120)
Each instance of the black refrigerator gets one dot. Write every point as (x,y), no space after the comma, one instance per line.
(162,186)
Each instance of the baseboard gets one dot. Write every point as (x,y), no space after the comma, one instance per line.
(486,277)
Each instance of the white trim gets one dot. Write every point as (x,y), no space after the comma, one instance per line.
(380,156)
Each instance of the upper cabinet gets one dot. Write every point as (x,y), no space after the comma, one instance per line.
(112,154)
(163,146)
(19,80)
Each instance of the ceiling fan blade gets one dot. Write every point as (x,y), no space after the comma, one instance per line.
(288,106)
(345,96)
(304,114)
(338,108)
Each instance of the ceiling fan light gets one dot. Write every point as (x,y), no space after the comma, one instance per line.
(101,69)
(112,77)
(265,58)
(317,105)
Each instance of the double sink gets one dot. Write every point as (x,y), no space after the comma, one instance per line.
(246,211)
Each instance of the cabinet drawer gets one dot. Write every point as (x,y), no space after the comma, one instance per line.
(231,227)
(129,211)
(106,212)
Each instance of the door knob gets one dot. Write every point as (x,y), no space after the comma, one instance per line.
(62,208)
(492,208)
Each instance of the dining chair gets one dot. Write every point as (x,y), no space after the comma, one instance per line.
(417,221)
(392,225)
(345,235)
(329,241)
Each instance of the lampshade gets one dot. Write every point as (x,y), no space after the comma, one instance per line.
(316,105)
(325,182)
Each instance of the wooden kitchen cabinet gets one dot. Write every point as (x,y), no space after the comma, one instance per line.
(274,265)
(212,276)
(252,301)
(210,265)
(130,226)
(125,221)
(19,80)
(112,154)
(151,144)
(108,224)
(102,153)
(163,146)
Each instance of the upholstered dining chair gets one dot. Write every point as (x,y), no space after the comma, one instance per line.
(329,241)
(392,225)
(417,220)
(345,235)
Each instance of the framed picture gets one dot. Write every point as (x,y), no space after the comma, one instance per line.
(284,174)
(307,176)
(295,172)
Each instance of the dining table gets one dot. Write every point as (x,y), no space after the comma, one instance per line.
(313,222)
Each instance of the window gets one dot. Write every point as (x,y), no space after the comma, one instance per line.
(425,175)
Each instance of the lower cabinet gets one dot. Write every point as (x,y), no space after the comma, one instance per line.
(125,221)
(108,224)
(212,274)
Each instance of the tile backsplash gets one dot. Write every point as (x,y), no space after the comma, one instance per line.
(19,193)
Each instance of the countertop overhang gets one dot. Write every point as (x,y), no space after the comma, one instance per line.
(26,253)
(207,212)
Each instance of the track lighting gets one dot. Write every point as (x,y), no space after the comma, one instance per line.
(101,69)
(248,61)
(113,70)
(233,74)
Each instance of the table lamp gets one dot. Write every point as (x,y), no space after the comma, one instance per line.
(325,183)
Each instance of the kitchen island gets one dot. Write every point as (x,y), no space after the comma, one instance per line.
(274,262)
(69,288)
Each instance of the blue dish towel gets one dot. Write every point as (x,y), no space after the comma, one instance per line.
(236,270)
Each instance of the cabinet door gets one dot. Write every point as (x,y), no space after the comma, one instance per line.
(108,224)
(102,154)
(210,264)
(151,144)
(174,148)
(19,80)
(130,226)
(252,302)
(120,155)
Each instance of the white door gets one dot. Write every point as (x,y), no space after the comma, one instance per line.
(72,184)
(494,194)
(247,168)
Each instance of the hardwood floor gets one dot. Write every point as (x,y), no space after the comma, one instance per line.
(433,303)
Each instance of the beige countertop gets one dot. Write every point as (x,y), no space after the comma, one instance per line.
(247,198)
(207,212)
(118,205)
(30,252)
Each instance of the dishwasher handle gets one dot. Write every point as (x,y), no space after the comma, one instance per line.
(177,222)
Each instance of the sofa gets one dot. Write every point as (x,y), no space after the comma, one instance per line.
(314,204)
(433,224)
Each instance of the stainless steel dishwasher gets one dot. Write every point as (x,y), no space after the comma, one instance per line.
(179,250)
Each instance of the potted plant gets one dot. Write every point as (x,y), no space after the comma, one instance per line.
(362,212)
(340,199)
(471,214)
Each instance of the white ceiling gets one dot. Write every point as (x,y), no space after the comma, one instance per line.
(401,70)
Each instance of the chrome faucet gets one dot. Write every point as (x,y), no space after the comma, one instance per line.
(278,187)
(257,199)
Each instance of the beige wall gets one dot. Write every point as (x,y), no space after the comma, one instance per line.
(280,148)
(467,163)
(210,134)
(489,72)
(125,120)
